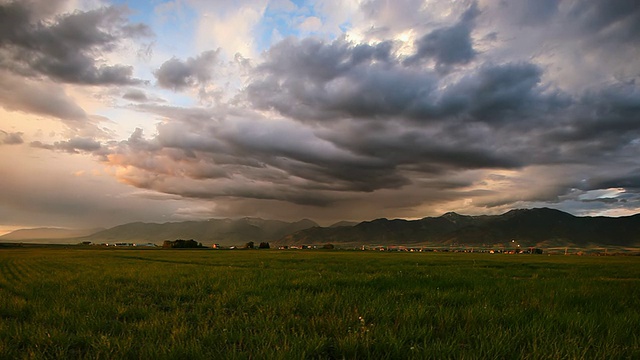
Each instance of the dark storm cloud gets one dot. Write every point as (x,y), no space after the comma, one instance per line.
(283,153)
(355,119)
(163,166)
(614,109)
(312,79)
(242,155)
(493,93)
(177,74)
(321,122)
(434,150)
(448,45)
(319,61)
(600,123)
(628,179)
(531,13)
(297,151)
(617,21)
(67,47)
(315,80)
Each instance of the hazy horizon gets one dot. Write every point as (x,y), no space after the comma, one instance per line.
(241,218)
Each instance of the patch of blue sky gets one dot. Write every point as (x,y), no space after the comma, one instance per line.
(279,23)
(177,98)
(175,29)
(345,27)
(127,115)
(140,11)
(173,23)
(272,28)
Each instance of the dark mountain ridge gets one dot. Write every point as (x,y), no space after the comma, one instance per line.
(527,227)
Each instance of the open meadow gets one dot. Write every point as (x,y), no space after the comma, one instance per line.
(269,304)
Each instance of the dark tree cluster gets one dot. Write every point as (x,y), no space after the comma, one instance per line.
(181,244)
(252,245)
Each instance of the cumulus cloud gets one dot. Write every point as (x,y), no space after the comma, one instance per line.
(314,79)
(231,26)
(135,95)
(177,74)
(450,45)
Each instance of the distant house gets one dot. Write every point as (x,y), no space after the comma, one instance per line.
(146,245)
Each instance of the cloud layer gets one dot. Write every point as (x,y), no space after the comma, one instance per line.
(414,110)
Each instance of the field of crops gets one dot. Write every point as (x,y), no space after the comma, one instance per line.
(191,304)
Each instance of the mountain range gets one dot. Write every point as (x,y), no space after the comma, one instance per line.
(225,232)
(540,227)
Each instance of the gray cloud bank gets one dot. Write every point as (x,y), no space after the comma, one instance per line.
(66,49)
(355,130)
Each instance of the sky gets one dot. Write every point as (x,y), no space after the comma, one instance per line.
(120,111)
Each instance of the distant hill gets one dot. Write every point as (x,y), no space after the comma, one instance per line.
(225,232)
(530,227)
(45,234)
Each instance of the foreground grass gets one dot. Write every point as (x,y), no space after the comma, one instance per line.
(287,304)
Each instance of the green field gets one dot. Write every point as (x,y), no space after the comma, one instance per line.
(263,304)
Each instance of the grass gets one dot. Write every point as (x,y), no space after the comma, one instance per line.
(182,304)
